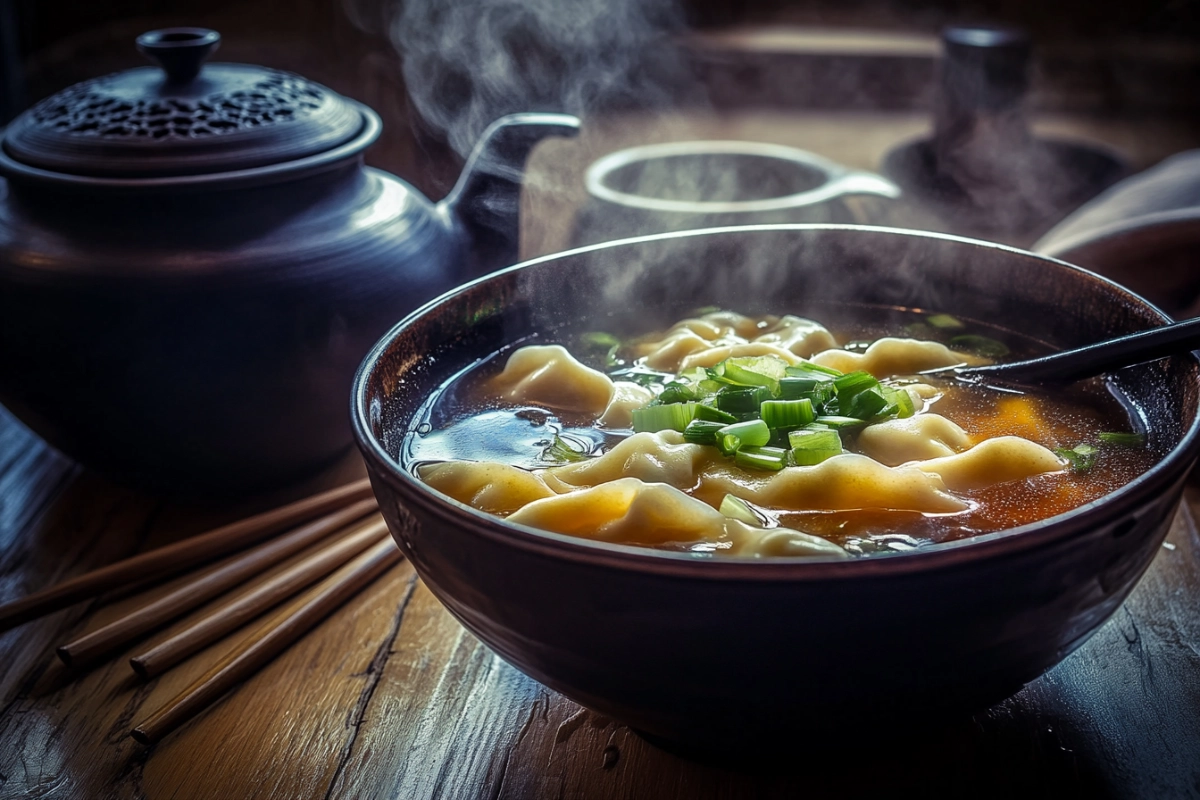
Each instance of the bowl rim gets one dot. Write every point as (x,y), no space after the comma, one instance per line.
(1160,478)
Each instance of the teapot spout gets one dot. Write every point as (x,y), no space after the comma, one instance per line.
(484,204)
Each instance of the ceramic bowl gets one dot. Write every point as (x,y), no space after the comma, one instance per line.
(737,655)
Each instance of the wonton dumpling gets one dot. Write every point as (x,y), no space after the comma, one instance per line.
(992,461)
(715,355)
(803,337)
(661,457)
(548,375)
(667,353)
(772,542)
(888,356)
(627,511)
(917,438)
(486,485)
(630,511)
(846,482)
(626,397)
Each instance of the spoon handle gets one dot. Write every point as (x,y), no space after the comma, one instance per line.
(1096,359)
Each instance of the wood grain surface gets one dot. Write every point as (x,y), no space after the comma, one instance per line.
(391,698)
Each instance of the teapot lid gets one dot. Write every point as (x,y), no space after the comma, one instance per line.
(187,118)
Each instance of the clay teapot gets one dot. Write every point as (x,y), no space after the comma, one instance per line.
(194,260)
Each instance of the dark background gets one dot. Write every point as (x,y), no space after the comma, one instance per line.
(1108,57)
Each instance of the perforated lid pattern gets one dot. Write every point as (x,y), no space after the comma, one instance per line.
(280,97)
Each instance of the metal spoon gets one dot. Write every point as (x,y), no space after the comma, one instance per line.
(1094,359)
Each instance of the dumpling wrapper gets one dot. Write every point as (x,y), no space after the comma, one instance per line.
(548,375)
(486,485)
(889,356)
(661,457)
(799,336)
(842,483)
(917,438)
(630,511)
(626,397)
(993,461)
(667,353)
(714,355)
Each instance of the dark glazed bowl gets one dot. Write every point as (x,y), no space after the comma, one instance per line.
(721,655)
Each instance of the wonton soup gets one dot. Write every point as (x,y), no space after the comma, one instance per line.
(730,435)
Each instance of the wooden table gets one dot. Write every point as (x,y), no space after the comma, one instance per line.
(390,697)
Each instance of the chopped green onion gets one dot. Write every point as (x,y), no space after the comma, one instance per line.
(674,416)
(1124,439)
(701,431)
(944,321)
(1081,457)
(676,392)
(796,387)
(769,458)
(561,450)
(901,399)
(755,432)
(753,371)
(742,401)
(598,340)
(804,367)
(811,447)
(728,443)
(980,345)
(735,507)
(852,383)
(863,405)
(787,413)
(710,414)
(838,422)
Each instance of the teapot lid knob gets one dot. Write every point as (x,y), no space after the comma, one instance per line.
(179,51)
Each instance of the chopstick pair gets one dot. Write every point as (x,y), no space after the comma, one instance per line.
(268,640)
(352,502)
(87,648)
(177,557)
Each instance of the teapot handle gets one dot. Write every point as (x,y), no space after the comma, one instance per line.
(485,202)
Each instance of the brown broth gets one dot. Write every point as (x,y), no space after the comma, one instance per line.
(463,424)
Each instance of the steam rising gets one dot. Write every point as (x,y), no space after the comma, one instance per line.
(468,62)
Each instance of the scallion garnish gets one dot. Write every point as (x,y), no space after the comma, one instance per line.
(561,450)
(742,401)
(768,458)
(837,422)
(787,413)
(673,416)
(728,443)
(701,431)
(710,414)
(804,367)
(1123,439)
(811,447)
(1081,457)
(863,405)
(944,321)
(754,433)
(852,383)
(980,345)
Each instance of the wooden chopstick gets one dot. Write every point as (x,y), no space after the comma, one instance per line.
(292,622)
(221,621)
(200,590)
(179,556)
